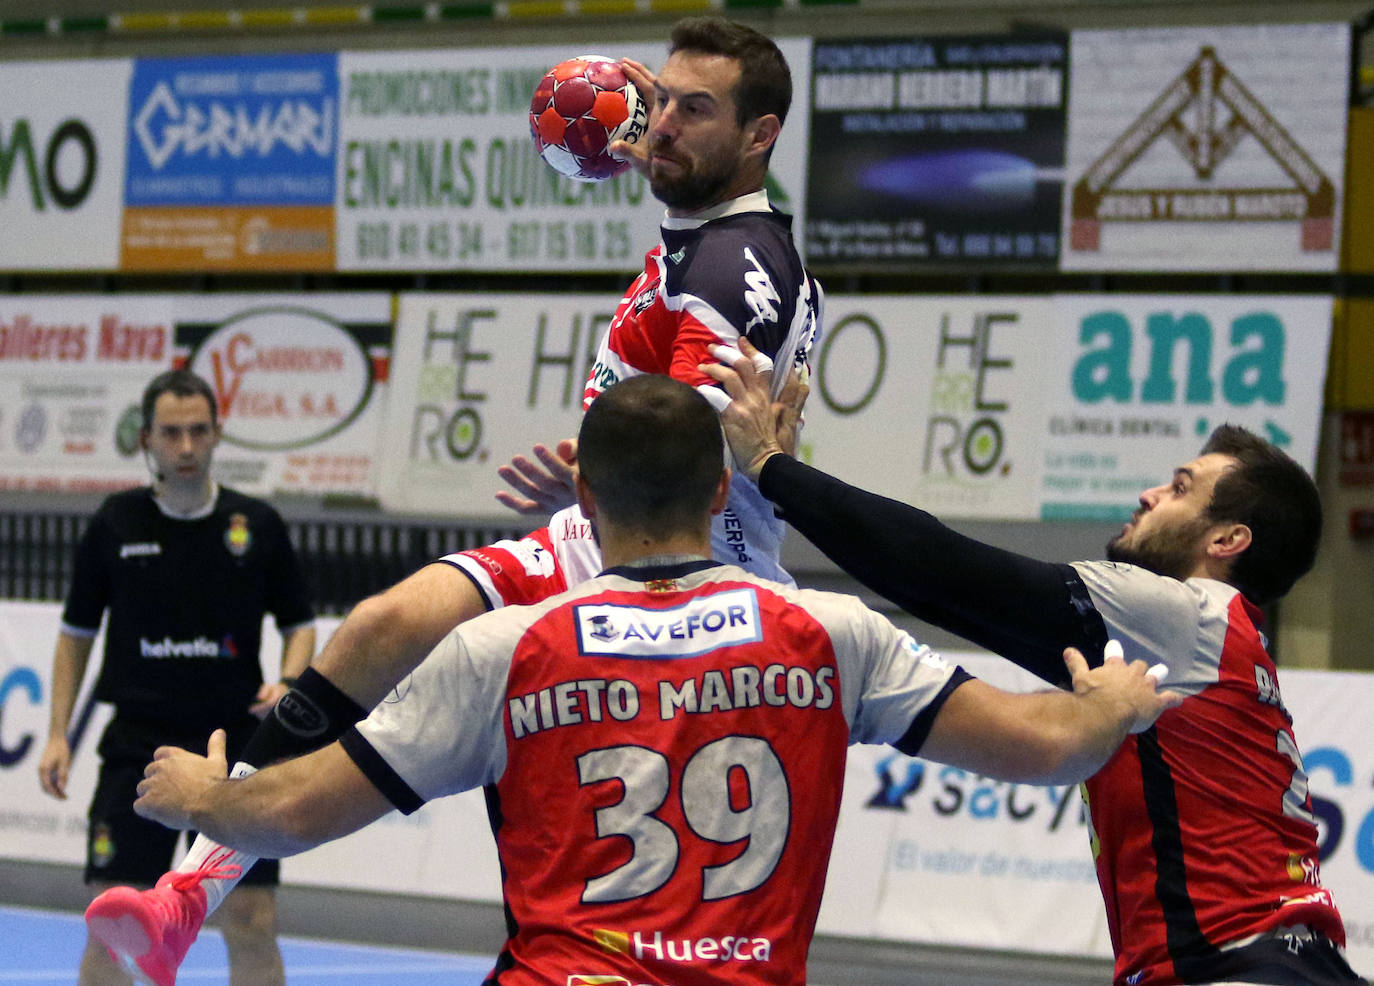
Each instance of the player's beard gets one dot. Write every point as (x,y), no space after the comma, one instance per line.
(1170,551)
(693,188)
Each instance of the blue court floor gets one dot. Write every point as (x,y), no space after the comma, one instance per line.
(42,948)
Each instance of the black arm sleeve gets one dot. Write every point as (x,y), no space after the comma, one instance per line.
(1026,610)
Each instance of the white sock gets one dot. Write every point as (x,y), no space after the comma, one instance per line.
(205,848)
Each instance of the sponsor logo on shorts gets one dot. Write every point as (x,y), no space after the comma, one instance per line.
(102,846)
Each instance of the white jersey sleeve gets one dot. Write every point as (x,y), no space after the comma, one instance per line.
(1160,619)
(887,678)
(456,684)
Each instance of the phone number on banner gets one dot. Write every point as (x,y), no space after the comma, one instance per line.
(523,240)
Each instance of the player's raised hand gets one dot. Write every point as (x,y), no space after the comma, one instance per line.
(637,153)
(756,426)
(541,487)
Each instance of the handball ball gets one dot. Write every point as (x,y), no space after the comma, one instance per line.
(580,107)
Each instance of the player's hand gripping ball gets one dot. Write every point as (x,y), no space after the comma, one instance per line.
(578,109)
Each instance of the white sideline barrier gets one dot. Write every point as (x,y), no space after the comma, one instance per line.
(949,859)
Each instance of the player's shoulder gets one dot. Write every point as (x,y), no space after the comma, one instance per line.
(719,253)
(1124,578)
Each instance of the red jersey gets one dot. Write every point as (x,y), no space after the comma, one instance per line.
(665,751)
(1202,826)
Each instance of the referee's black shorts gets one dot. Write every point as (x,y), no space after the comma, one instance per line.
(122,847)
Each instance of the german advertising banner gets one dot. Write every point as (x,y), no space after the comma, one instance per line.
(476,379)
(944,151)
(301,382)
(62,134)
(1141,380)
(72,373)
(1194,149)
(437,170)
(231,163)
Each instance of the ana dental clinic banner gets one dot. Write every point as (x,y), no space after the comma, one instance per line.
(1067,407)
(72,373)
(923,852)
(945,151)
(998,407)
(62,130)
(301,381)
(437,171)
(1191,148)
(1142,380)
(231,163)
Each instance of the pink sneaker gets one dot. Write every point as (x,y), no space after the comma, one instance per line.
(147,932)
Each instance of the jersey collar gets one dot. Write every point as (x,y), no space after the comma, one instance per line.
(752,202)
(204,510)
(656,567)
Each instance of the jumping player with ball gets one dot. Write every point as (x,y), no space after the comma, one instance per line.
(725,266)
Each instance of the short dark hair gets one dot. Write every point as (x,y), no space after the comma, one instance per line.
(651,452)
(1273,496)
(182,383)
(765,81)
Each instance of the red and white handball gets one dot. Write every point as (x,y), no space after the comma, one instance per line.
(579,108)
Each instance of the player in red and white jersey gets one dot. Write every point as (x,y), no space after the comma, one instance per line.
(726,266)
(664,746)
(1204,834)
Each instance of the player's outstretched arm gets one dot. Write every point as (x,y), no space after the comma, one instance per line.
(543,487)
(278,811)
(1048,737)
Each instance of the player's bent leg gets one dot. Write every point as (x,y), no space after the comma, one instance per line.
(248,921)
